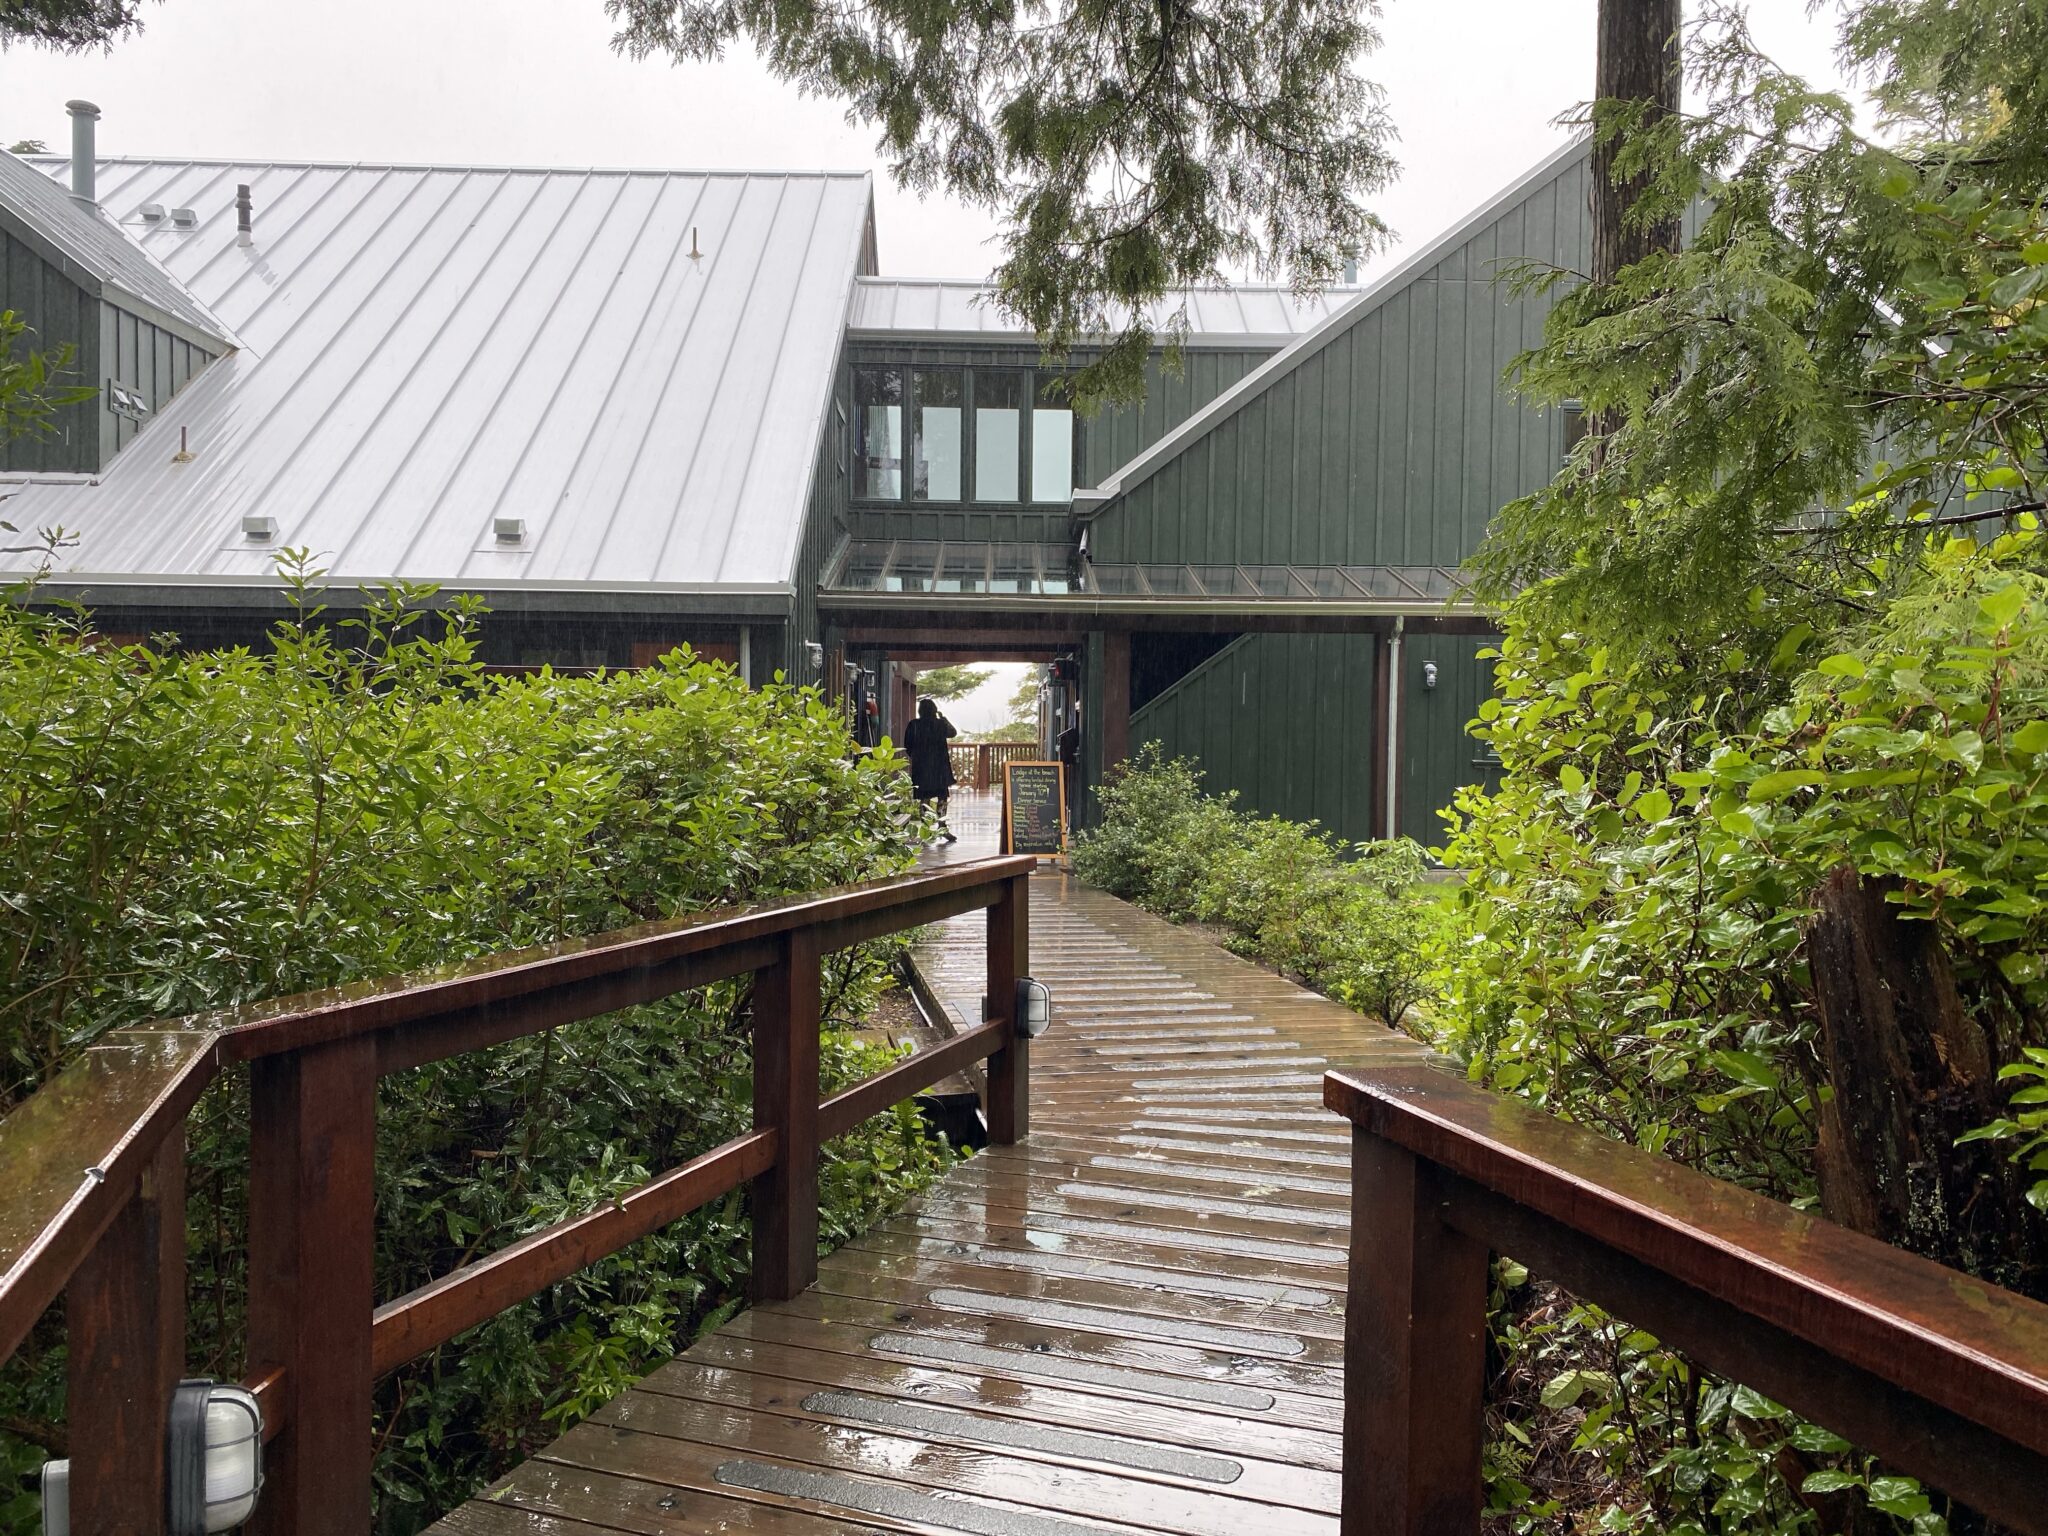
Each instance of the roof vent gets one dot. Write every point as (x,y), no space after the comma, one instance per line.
(184,218)
(85,160)
(152,213)
(509,530)
(245,218)
(259,525)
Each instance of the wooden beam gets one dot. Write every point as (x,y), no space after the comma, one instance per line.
(786,1002)
(312,1246)
(1008,1104)
(1116,698)
(125,1318)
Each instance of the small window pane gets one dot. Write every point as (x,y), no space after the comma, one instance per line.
(998,416)
(1052,450)
(937,424)
(878,425)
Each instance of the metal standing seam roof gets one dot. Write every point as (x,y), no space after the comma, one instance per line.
(425,349)
(90,240)
(1253,314)
(1088,503)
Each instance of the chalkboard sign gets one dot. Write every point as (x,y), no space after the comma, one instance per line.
(1034,809)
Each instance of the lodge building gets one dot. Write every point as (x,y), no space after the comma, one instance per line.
(632,409)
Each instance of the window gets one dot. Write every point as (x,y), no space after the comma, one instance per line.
(1052,446)
(938,451)
(878,418)
(1575,425)
(998,423)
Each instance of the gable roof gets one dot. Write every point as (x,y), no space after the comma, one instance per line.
(635,363)
(98,254)
(1089,503)
(1251,315)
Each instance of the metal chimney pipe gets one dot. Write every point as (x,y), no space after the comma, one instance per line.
(85,160)
(245,216)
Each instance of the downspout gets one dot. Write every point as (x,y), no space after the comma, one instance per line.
(747,654)
(1393,725)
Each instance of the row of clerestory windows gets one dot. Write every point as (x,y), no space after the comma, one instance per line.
(947,434)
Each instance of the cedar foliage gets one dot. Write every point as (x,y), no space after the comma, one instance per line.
(1129,149)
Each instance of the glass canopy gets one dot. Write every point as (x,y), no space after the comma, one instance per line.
(1053,570)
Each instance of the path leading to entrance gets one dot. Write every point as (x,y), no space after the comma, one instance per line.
(1132,1321)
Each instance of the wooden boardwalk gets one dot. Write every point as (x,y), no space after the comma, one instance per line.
(1131,1322)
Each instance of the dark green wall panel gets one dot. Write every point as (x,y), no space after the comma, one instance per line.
(1437,752)
(1285,720)
(58,312)
(1395,443)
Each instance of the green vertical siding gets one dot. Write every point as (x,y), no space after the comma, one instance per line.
(1436,752)
(58,312)
(1395,442)
(1285,720)
(147,359)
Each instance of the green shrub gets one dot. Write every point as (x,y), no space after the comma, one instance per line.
(1628,952)
(1357,928)
(193,831)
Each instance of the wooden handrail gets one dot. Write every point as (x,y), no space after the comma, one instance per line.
(91,1170)
(1941,1374)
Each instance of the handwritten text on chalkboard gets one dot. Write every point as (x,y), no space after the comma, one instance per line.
(1034,807)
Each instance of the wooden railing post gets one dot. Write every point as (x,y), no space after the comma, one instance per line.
(1414,1355)
(786,1001)
(125,1315)
(1008,1109)
(312,1171)
(982,774)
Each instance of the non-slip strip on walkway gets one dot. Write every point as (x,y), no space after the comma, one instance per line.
(1131,1322)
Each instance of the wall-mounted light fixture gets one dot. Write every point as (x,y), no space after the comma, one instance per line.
(1429,674)
(213,1463)
(1034,1007)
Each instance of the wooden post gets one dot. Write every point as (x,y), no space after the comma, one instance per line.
(1008,1108)
(786,1000)
(125,1313)
(1116,698)
(1414,1355)
(312,1285)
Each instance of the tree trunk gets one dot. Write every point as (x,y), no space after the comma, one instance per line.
(1911,1071)
(1638,60)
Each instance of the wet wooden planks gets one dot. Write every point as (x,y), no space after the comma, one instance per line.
(1132,1322)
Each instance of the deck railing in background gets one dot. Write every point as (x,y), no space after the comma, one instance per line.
(979,764)
(92,1174)
(1943,1376)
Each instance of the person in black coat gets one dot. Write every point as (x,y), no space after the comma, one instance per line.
(931,764)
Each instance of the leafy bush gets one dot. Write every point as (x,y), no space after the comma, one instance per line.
(1355,928)
(1629,953)
(194,831)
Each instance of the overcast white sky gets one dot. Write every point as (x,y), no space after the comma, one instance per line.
(1472,84)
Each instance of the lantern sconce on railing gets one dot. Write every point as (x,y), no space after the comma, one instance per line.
(213,1463)
(1034,1007)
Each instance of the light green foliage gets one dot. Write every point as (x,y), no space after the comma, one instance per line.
(1628,949)
(1128,149)
(949,683)
(195,831)
(1355,928)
